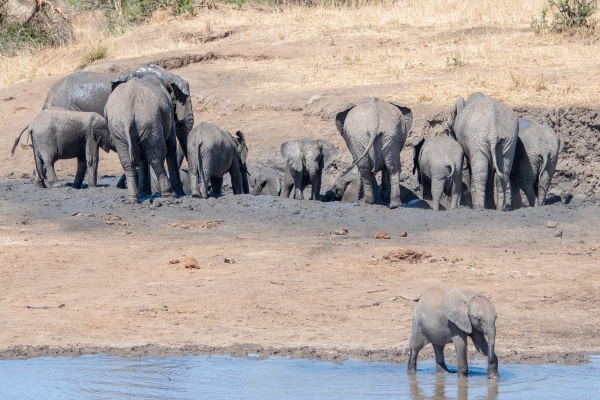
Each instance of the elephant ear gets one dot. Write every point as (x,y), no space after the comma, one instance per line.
(290,152)
(416,152)
(341,117)
(406,114)
(330,152)
(242,148)
(455,307)
(459,105)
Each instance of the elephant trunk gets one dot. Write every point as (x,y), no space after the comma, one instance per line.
(492,369)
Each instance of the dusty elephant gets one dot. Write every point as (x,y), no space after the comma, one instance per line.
(438,162)
(139,114)
(211,154)
(305,161)
(487,131)
(346,189)
(59,134)
(535,161)
(266,182)
(442,317)
(375,132)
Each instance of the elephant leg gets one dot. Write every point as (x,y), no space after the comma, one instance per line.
(316,186)
(39,178)
(127,164)
(526,185)
(216,184)
(194,170)
(385,186)
(479,181)
(144,180)
(394,184)
(93,170)
(367,178)
(161,176)
(53,181)
(298,187)
(460,344)
(501,186)
(288,183)
(440,363)
(456,189)
(80,174)
(173,164)
(515,193)
(417,342)
(236,178)
(543,186)
(437,190)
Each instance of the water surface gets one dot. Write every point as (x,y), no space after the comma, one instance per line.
(225,377)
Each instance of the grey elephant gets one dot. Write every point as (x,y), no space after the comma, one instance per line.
(346,189)
(442,317)
(305,161)
(438,162)
(375,132)
(59,134)
(89,91)
(487,131)
(266,182)
(139,114)
(211,154)
(535,161)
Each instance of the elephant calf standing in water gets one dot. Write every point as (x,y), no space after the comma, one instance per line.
(211,154)
(442,317)
(535,160)
(58,134)
(305,161)
(438,163)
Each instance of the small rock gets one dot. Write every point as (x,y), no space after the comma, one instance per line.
(316,97)
(393,299)
(174,261)
(432,260)
(121,223)
(341,231)
(191,263)
(128,232)
(152,214)
(229,261)
(558,233)
(551,224)
(381,235)
(403,234)
(109,222)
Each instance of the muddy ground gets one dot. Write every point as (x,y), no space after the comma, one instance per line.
(273,277)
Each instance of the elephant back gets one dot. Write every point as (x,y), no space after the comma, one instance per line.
(80,91)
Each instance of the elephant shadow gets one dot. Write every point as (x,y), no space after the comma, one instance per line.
(441,385)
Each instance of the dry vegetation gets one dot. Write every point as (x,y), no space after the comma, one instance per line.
(431,50)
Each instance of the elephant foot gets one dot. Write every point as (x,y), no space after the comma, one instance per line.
(196,195)
(168,194)
(492,375)
(133,200)
(55,184)
(40,185)
(395,204)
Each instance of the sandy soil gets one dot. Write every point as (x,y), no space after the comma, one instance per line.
(273,277)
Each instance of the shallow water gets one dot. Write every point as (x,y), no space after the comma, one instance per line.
(225,377)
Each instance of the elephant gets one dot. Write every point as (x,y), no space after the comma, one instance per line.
(346,189)
(266,182)
(211,154)
(535,160)
(438,162)
(305,161)
(89,91)
(139,114)
(443,316)
(375,132)
(59,134)
(487,130)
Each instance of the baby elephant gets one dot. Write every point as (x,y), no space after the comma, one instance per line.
(438,163)
(443,316)
(346,189)
(305,161)
(535,160)
(211,154)
(266,182)
(59,134)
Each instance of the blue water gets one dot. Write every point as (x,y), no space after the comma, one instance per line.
(225,377)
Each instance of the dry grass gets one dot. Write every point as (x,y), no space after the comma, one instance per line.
(425,51)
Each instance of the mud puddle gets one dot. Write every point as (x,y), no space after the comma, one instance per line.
(227,377)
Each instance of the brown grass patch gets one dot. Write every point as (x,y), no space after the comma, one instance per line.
(406,255)
(196,224)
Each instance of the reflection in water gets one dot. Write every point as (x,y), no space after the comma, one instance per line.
(442,384)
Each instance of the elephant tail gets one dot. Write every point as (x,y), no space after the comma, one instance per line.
(495,158)
(129,127)
(544,165)
(201,168)
(369,146)
(18,139)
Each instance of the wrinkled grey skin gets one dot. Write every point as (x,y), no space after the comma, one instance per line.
(266,182)
(305,160)
(375,132)
(184,177)
(438,163)
(442,317)
(211,154)
(346,189)
(59,134)
(140,119)
(487,131)
(535,161)
(89,91)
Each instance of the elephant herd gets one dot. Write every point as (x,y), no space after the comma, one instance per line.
(146,116)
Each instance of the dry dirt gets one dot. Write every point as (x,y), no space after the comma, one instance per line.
(273,277)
